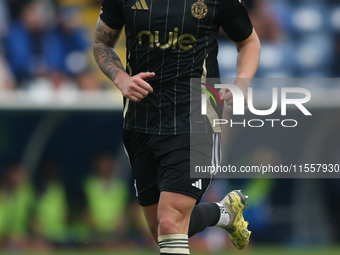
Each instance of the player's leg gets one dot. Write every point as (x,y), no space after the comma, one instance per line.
(150,213)
(228,213)
(174,211)
(204,151)
(205,215)
(144,167)
(174,215)
(179,194)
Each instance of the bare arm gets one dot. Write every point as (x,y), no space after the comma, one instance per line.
(103,50)
(247,63)
(134,88)
(248,56)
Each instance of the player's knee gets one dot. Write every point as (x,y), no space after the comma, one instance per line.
(168,225)
(171,221)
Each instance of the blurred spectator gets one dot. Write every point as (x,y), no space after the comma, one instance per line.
(7,80)
(4,18)
(51,207)
(263,20)
(15,7)
(68,57)
(50,51)
(26,44)
(16,203)
(106,195)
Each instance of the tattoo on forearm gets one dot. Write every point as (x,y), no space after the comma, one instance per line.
(104,53)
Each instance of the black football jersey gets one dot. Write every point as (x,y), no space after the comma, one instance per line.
(176,39)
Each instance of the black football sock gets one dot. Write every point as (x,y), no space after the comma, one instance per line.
(203,215)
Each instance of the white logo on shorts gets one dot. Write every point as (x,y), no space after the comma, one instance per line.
(197,184)
(135,184)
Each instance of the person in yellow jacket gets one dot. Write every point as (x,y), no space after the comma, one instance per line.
(16,204)
(106,194)
(51,209)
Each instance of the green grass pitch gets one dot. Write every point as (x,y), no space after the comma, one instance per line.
(260,250)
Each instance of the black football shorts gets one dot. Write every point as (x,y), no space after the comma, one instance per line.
(162,163)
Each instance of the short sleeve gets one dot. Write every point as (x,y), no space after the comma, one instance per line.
(112,13)
(234,20)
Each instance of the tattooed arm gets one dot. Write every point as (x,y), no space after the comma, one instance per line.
(134,88)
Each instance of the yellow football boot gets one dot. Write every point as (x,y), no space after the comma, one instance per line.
(234,203)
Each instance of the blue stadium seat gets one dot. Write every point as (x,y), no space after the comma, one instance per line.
(314,56)
(275,61)
(309,19)
(227,58)
(333,20)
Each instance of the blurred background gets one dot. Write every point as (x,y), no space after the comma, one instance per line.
(65,183)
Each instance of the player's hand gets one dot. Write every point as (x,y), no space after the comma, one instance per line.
(225,94)
(135,88)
